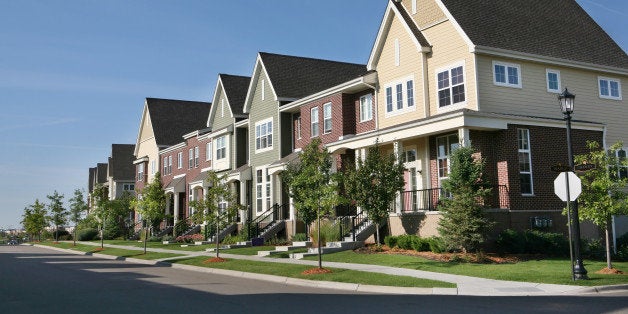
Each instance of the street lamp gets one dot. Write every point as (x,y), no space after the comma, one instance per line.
(566,100)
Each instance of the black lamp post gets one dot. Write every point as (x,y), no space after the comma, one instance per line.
(566,100)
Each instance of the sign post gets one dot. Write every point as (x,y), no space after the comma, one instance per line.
(567,186)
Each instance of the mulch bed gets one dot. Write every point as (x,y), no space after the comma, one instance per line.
(215,260)
(611,271)
(486,258)
(316,271)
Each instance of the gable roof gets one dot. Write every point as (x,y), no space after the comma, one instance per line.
(235,87)
(393,9)
(121,162)
(101,173)
(90,182)
(557,28)
(295,77)
(171,119)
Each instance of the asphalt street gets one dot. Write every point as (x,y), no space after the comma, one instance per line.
(39,280)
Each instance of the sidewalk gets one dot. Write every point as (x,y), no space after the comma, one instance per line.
(470,286)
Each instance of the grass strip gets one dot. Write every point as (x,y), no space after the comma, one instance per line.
(111,251)
(551,270)
(337,275)
(159,245)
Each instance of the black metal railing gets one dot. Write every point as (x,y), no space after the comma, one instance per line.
(266,219)
(429,199)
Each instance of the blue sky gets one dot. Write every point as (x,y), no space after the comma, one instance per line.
(74,74)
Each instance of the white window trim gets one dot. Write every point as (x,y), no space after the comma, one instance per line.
(263,89)
(312,122)
(298,127)
(153,167)
(269,147)
(547,72)
(180,160)
(609,79)
(208,151)
(190,158)
(370,111)
(328,104)
(218,147)
(404,90)
(413,6)
(222,108)
(446,157)
(452,106)
(397,52)
(529,151)
(619,167)
(265,194)
(507,65)
(196,156)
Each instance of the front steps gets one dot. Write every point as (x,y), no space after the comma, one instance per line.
(286,248)
(331,247)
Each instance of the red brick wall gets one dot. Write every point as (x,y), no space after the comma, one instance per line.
(366,126)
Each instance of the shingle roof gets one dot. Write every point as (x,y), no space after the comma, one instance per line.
(556,28)
(121,164)
(415,29)
(101,173)
(236,88)
(296,77)
(90,183)
(172,119)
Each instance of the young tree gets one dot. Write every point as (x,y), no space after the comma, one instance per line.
(312,187)
(58,214)
(151,204)
(603,191)
(102,209)
(35,219)
(463,225)
(218,207)
(374,184)
(78,207)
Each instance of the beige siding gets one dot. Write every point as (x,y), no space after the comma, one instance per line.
(533,99)
(146,129)
(427,14)
(388,72)
(147,145)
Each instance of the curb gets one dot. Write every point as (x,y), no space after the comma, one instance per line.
(604,289)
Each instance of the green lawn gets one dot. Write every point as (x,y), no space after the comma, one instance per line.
(160,245)
(337,275)
(249,250)
(552,271)
(110,251)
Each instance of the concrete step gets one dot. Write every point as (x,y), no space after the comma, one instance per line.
(331,247)
(230,246)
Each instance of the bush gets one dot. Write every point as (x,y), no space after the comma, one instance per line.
(278,241)
(510,241)
(437,245)
(167,238)
(390,241)
(405,241)
(593,248)
(87,234)
(420,244)
(154,239)
(233,239)
(65,237)
(622,241)
(299,237)
(532,242)
(181,227)
(190,238)
(329,232)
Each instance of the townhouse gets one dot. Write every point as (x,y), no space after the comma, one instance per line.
(164,122)
(441,73)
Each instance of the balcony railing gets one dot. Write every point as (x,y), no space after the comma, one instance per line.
(429,199)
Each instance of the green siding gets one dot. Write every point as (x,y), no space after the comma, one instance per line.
(262,110)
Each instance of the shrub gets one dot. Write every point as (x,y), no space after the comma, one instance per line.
(420,244)
(390,241)
(510,241)
(593,248)
(532,242)
(181,227)
(154,239)
(622,241)
(329,232)
(437,245)
(233,239)
(299,237)
(57,234)
(65,237)
(404,241)
(278,241)
(190,238)
(87,234)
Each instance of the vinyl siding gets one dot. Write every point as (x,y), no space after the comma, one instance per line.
(533,99)
(427,14)
(219,122)
(261,110)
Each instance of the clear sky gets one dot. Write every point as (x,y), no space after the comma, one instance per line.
(74,74)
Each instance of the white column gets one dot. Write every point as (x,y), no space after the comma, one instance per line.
(397,150)
(176,207)
(463,137)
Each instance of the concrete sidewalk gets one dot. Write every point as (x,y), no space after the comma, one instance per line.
(466,285)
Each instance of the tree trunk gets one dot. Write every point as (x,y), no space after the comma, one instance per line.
(217,243)
(377,233)
(320,254)
(609,265)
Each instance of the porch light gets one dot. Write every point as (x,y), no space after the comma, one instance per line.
(566,100)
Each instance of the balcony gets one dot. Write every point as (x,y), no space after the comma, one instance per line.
(429,199)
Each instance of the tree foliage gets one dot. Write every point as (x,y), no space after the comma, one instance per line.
(603,192)
(152,201)
(209,209)
(311,183)
(58,213)
(463,226)
(35,219)
(78,206)
(374,184)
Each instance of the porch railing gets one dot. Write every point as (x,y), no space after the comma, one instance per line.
(430,199)
(276,212)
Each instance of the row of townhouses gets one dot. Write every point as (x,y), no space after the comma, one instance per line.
(441,73)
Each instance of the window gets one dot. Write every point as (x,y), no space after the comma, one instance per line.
(180,160)
(389,106)
(196,156)
(170,164)
(298,127)
(222,205)
(553,80)
(208,151)
(622,171)
(366,108)
(451,87)
(314,121)
(128,187)
(410,93)
(267,189)
(153,167)
(525,161)
(165,163)
(408,155)
(258,189)
(190,158)
(263,134)
(327,117)
(140,172)
(221,148)
(609,88)
(444,146)
(506,74)
(403,96)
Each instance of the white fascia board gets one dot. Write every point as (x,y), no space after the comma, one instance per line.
(172,148)
(140,160)
(212,110)
(139,131)
(242,123)
(379,40)
(545,59)
(252,84)
(225,130)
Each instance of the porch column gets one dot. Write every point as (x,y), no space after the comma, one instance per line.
(397,150)
(245,211)
(176,207)
(463,137)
